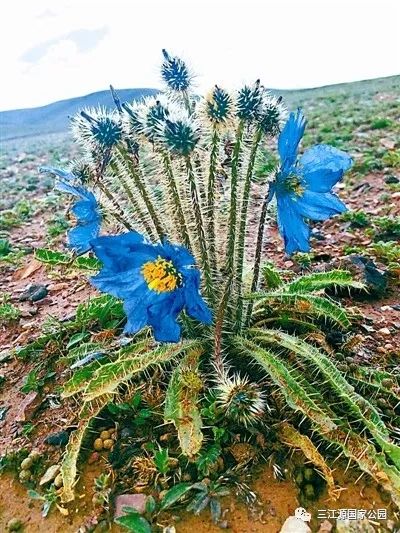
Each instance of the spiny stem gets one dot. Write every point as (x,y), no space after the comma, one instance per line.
(136,207)
(200,229)
(133,169)
(175,199)
(219,322)
(260,239)
(211,198)
(230,254)
(115,213)
(242,227)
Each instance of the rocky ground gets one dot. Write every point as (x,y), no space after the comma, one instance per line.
(362,121)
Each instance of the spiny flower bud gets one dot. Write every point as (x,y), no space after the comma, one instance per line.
(218,106)
(181,135)
(240,400)
(97,127)
(272,115)
(156,113)
(175,73)
(249,102)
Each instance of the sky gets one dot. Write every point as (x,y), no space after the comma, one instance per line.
(56,49)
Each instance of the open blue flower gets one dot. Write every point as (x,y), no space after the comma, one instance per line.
(155,281)
(303,186)
(86,211)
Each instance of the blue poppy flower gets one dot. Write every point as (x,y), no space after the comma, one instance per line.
(86,211)
(303,186)
(155,281)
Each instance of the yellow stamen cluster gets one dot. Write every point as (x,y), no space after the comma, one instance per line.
(294,184)
(161,275)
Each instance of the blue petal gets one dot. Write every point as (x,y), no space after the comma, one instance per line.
(86,211)
(319,206)
(123,252)
(195,306)
(79,237)
(322,166)
(292,227)
(289,140)
(163,319)
(180,255)
(125,285)
(62,174)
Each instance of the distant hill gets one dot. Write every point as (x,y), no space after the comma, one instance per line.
(53,118)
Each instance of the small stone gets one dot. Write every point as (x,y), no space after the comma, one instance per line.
(27,463)
(137,501)
(390,180)
(105,435)
(389,346)
(50,474)
(384,331)
(14,524)
(98,445)
(108,444)
(34,293)
(381,349)
(223,524)
(57,439)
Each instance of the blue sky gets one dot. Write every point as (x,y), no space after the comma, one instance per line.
(60,49)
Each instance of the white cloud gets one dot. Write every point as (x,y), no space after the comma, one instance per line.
(287,43)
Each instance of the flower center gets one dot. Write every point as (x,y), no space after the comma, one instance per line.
(161,275)
(295,185)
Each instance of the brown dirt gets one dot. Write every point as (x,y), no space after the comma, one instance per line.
(278,498)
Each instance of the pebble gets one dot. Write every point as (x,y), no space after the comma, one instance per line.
(34,293)
(50,474)
(389,346)
(57,439)
(137,501)
(384,331)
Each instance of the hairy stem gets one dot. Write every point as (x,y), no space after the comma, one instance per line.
(230,254)
(260,240)
(211,199)
(144,193)
(200,229)
(135,205)
(175,200)
(242,227)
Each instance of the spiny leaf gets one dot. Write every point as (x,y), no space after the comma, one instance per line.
(323,280)
(293,438)
(361,407)
(295,394)
(69,463)
(307,304)
(110,376)
(181,403)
